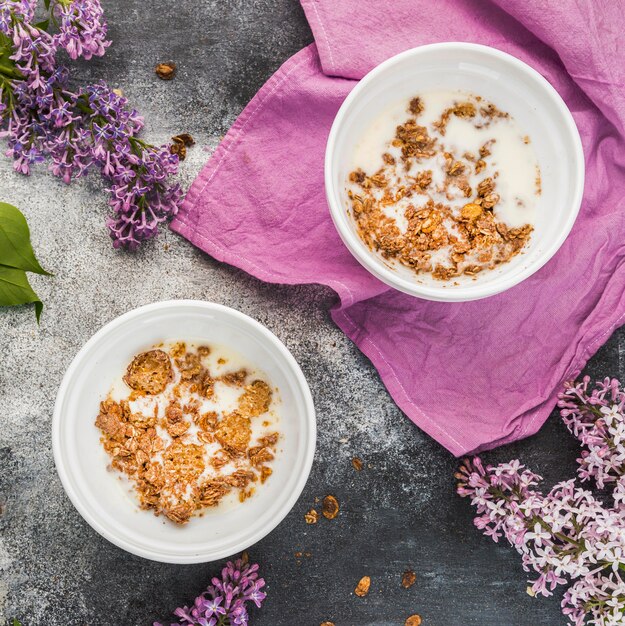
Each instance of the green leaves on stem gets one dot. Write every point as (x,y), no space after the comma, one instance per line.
(16,258)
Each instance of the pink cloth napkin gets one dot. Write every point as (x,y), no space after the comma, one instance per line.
(472,375)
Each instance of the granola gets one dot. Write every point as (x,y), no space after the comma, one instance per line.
(436,207)
(362,588)
(330,507)
(357,464)
(185,442)
(165,71)
(408,579)
(150,372)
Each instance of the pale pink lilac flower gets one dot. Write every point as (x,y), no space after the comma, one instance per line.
(568,537)
(597,599)
(596,418)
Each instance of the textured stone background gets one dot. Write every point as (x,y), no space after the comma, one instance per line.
(400,512)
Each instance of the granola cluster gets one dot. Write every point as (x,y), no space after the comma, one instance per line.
(181,454)
(446,228)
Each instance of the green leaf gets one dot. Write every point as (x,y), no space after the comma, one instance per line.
(16,622)
(15,247)
(5,41)
(43,25)
(15,289)
(6,50)
(46,3)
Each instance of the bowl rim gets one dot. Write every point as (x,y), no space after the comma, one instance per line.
(458,293)
(59,452)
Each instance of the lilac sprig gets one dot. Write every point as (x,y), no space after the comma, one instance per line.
(224,603)
(567,537)
(562,536)
(598,599)
(77,130)
(595,418)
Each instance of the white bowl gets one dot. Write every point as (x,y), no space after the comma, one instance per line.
(511,85)
(107,503)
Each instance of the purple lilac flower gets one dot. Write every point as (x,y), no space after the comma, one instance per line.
(11,9)
(224,601)
(41,117)
(82,29)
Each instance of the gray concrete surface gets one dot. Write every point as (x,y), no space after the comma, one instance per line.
(400,512)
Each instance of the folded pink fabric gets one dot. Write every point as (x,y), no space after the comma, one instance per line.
(472,375)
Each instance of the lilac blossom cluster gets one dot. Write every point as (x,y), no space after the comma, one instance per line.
(77,130)
(567,537)
(224,602)
(595,417)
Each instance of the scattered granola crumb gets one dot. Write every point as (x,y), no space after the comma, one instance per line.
(408,579)
(326,624)
(413,620)
(118,92)
(357,464)
(179,149)
(311,517)
(184,138)
(330,507)
(180,144)
(362,588)
(165,71)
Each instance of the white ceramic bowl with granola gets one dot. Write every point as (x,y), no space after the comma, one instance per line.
(453,171)
(184,431)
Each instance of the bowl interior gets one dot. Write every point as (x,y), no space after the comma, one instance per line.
(510,85)
(106,500)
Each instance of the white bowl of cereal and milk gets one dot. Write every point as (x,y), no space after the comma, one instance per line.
(183,431)
(453,171)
